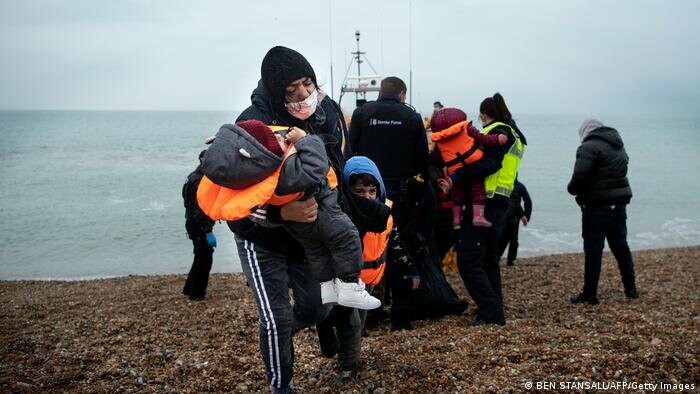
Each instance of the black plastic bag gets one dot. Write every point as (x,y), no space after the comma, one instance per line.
(435,297)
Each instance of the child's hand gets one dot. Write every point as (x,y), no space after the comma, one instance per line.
(295,134)
(444,185)
(502,139)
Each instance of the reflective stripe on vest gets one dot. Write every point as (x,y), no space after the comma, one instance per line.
(374,249)
(456,147)
(502,181)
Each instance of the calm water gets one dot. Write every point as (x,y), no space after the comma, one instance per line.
(96,194)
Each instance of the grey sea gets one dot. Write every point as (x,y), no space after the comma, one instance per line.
(98,194)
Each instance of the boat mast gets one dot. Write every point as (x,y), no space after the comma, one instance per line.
(359,61)
(360,84)
(330,43)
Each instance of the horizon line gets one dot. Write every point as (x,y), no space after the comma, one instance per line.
(602,114)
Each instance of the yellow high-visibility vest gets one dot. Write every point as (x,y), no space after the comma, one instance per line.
(503,181)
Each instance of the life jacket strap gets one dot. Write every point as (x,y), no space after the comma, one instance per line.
(376,263)
(462,157)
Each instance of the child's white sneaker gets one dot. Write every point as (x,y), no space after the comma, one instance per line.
(354,295)
(329,294)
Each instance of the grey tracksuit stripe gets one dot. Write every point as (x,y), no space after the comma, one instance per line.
(267,315)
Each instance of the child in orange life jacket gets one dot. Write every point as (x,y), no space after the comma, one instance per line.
(384,253)
(331,242)
(460,144)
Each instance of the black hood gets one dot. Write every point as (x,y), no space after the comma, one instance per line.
(279,68)
(607,134)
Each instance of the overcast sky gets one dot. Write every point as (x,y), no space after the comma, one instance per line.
(582,57)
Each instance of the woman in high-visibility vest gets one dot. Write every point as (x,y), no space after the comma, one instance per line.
(477,251)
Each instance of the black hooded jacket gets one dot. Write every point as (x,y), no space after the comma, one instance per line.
(327,123)
(391,134)
(197,223)
(600,172)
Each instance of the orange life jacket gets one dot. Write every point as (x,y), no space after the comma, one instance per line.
(223,203)
(457,148)
(374,247)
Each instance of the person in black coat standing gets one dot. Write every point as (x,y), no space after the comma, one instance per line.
(199,229)
(514,215)
(600,185)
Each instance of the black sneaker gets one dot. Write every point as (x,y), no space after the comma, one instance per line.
(632,294)
(401,326)
(346,376)
(510,263)
(197,297)
(579,299)
(481,322)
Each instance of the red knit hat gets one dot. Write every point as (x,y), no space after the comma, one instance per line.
(262,134)
(446,118)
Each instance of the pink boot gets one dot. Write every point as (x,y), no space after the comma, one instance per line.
(478,218)
(456,216)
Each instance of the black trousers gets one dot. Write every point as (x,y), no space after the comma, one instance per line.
(198,278)
(477,260)
(344,326)
(270,276)
(598,223)
(509,238)
(402,304)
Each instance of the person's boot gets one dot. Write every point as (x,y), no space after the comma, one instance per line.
(580,299)
(346,376)
(632,294)
(404,325)
(456,217)
(478,218)
(354,295)
(329,293)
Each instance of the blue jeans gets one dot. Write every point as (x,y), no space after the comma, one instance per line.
(270,276)
(599,222)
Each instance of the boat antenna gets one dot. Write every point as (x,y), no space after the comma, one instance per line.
(410,55)
(358,55)
(330,44)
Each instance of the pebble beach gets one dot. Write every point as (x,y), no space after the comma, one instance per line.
(140,334)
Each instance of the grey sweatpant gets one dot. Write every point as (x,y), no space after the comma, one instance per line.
(332,243)
(270,276)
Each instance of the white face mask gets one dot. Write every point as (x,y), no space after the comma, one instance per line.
(304,109)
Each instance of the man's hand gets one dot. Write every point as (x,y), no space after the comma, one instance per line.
(300,211)
(524,220)
(295,134)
